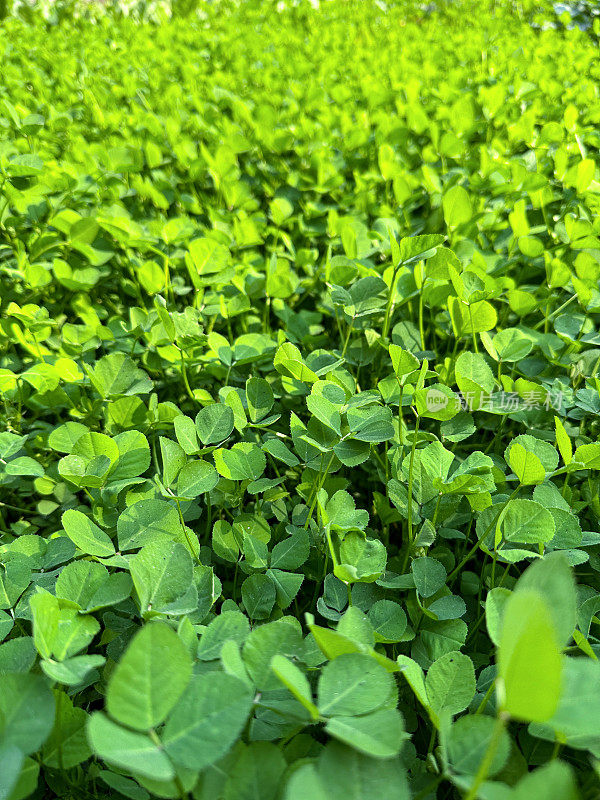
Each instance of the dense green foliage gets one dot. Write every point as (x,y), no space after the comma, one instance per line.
(299,457)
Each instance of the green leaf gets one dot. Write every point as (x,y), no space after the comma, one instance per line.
(214,423)
(575,717)
(588,455)
(554,779)
(75,631)
(255,551)
(353,684)
(67,745)
(148,522)
(26,711)
(258,595)
(116,374)
(277,449)
(563,442)
(342,515)
(292,552)
(224,542)
(373,424)
(259,397)
(305,782)
(529,660)
(92,445)
(126,786)
(359,559)
(325,411)
(17,655)
(207,720)
(544,452)
(388,620)
(23,465)
(15,577)
(295,680)
(128,750)
(429,575)
(495,604)
(185,431)
(64,436)
(287,585)
(90,473)
(134,455)
(284,637)
(450,683)
(379,734)
(139,695)
(207,256)
(403,361)
(288,361)
(457,206)
(352,452)
(526,466)
(25,165)
(87,535)
(412,247)
(527,522)
(244,461)
(12,760)
(79,581)
(196,478)
(162,575)
(27,781)
(256,773)
(345,774)
(45,612)
(173,460)
(228,626)
(116,588)
(468,740)
(437,402)
(552,578)
(511,344)
(474,379)
(334,644)
(72,671)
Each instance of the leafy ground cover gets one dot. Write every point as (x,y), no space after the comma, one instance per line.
(299,377)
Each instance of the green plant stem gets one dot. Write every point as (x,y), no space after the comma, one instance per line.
(409,498)
(208,516)
(16,508)
(437,508)
(176,780)
(319,486)
(488,757)
(554,313)
(431,740)
(348,334)
(475,547)
(485,700)
(473,330)
(429,788)
(184,374)
(421,329)
(320,582)
(58,726)
(389,305)
(556,750)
